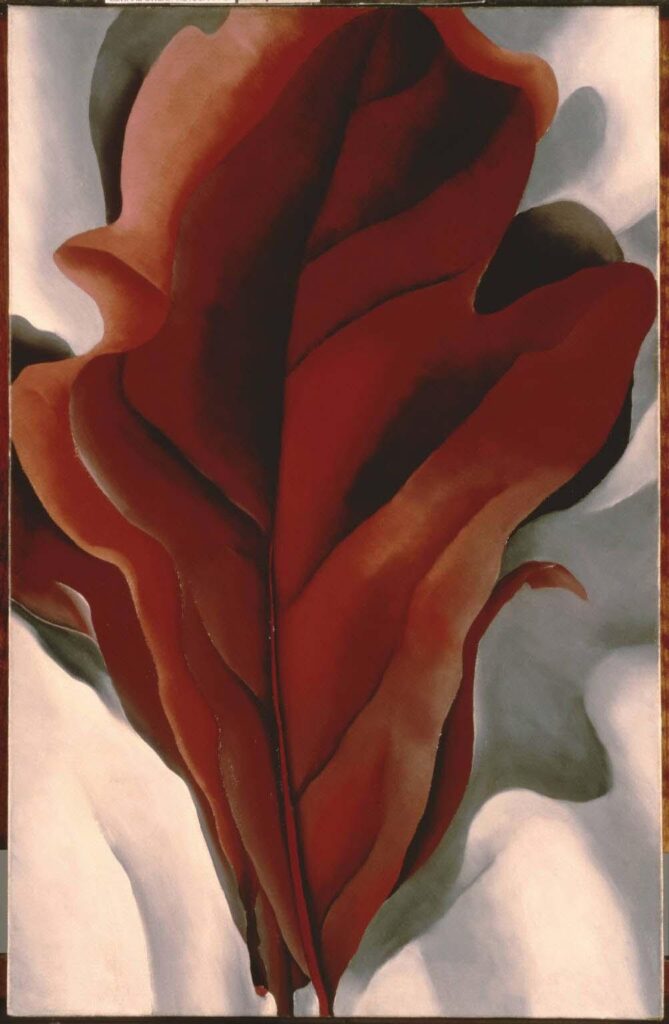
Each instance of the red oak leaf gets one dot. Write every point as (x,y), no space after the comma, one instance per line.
(285,478)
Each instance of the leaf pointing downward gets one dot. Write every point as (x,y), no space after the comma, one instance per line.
(302,447)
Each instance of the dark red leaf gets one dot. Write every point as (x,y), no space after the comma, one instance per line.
(301,450)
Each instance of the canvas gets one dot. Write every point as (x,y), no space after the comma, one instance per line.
(334,662)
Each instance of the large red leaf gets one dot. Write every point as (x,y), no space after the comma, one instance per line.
(289,470)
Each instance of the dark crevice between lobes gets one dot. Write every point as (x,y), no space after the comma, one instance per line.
(541,246)
(405,46)
(373,183)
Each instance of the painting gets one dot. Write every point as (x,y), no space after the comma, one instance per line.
(334,663)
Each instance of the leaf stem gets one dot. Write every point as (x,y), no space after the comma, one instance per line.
(290,824)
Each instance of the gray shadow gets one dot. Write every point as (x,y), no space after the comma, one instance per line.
(640,245)
(571,143)
(520,28)
(76,654)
